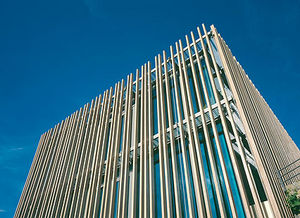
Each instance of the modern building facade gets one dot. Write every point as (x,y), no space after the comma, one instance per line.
(186,136)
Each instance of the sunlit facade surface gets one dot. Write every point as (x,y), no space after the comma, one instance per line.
(186,136)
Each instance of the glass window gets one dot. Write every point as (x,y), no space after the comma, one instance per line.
(137,196)
(244,179)
(121,134)
(224,79)
(138,123)
(169,65)
(220,174)
(215,52)
(245,143)
(182,180)
(180,97)
(107,140)
(172,182)
(166,105)
(208,176)
(193,90)
(101,191)
(192,50)
(116,199)
(217,84)
(130,186)
(191,177)
(173,101)
(259,185)
(182,184)
(186,54)
(199,47)
(230,172)
(207,82)
(202,96)
(157,185)
(154,115)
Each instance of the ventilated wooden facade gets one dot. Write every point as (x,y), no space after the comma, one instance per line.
(186,136)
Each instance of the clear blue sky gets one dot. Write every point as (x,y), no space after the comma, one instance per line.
(56,55)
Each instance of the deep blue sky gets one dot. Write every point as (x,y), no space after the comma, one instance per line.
(56,55)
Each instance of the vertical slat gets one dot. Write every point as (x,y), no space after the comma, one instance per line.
(258,134)
(49,204)
(115,158)
(106,183)
(83,154)
(145,145)
(241,149)
(182,137)
(40,165)
(251,140)
(95,205)
(106,187)
(50,186)
(65,201)
(172,141)
(191,62)
(135,147)
(265,154)
(194,145)
(150,145)
(32,171)
(206,133)
(87,166)
(262,136)
(163,135)
(123,150)
(215,131)
(54,198)
(95,155)
(67,168)
(165,206)
(44,172)
(275,165)
(142,146)
(123,204)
